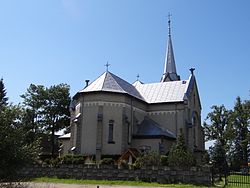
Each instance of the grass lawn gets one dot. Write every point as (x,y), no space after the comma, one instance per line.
(233,180)
(107,182)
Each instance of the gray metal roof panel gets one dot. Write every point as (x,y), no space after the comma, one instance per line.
(96,85)
(173,91)
(148,127)
(112,83)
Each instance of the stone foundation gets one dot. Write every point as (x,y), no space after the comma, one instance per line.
(163,175)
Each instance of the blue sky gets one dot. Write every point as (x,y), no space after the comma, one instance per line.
(67,41)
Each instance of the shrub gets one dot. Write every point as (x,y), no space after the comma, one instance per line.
(164,160)
(151,159)
(107,161)
(123,164)
(114,157)
(179,156)
(67,159)
(73,159)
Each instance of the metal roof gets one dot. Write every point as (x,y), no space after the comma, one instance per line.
(149,128)
(163,92)
(112,83)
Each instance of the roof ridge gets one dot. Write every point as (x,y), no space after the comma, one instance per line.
(189,85)
(106,72)
(129,90)
(115,79)
(151,128)
(155,123)
(109,82)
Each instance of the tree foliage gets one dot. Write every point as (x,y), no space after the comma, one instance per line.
(15,152)
(240,141)
(219,129)
(179,155)
(149,159)
(217,125)
(218,159)
(3,98)
(230,131)
(47,109)
(33,100)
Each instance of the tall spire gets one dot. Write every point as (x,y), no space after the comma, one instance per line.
(170,73)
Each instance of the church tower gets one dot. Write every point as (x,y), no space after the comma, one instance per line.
(170,73)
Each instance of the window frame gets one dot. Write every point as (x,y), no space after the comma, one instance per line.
(111,132)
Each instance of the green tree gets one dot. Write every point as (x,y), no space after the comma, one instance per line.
(3,98)
(240,142)
(34,100)
(56,110)
(217,127)
(179,155)
(15,152)
(218,159)
(48,109)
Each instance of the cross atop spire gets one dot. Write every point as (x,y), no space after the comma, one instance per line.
(192,70)
(107,65)
(170,73)
(169,24)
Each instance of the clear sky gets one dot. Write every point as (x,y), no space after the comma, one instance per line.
(68,41)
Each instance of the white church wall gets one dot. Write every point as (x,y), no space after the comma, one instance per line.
(196,134)
(150,145)
(165,120)
(116,106)
(112,112)
(89,126)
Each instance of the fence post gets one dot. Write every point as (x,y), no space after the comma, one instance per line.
(226,179)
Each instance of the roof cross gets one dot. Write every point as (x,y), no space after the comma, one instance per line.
(192,70)
(138,76)
(169,22)
(107,65)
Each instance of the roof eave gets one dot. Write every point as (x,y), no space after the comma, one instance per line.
(153,137)
(172,102)
(115,92)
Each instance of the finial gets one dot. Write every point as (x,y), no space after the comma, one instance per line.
(192,70)
(169,24)
(138,76)
(107,65)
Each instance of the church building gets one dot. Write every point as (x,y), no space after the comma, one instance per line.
(110,115)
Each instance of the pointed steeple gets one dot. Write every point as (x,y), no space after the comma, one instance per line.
(170,73)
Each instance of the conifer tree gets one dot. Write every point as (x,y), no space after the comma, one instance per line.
(3,98)
(179,155)
(15,152)
(240,140)
(218,159)
(48,109)
(219,129)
